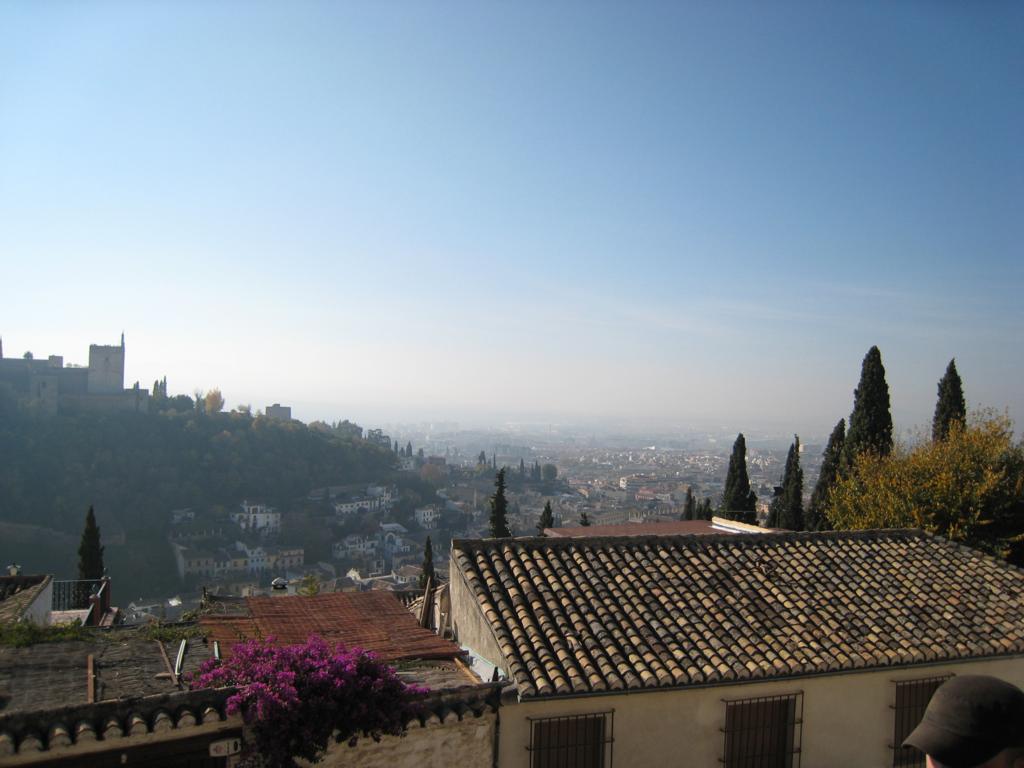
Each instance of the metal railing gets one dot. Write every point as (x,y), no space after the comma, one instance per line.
(764,732)
(912,696)
(572,741)
(92,595)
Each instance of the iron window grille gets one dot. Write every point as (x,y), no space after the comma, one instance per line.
(765,732)
(912,696)
(572,741)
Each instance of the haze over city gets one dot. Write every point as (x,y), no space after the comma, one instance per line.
(575,213)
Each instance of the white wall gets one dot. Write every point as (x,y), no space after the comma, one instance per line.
(847,722)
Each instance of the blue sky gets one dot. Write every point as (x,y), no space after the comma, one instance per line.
(565,211)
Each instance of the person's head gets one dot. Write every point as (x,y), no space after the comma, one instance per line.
(972,721)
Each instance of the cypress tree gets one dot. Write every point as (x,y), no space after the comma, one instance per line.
(791,503)
(547,519)
(408,449)
(428,565)
(871,422)
(689,506)
(738,501)
(950,407)
(830,463)
(584,519)
(90,553)
(522,468)
(499,508)
(704,510)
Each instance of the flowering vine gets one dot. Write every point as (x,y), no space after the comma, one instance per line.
(297,698)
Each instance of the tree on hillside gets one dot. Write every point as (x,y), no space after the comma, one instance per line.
(90,553)
(584,519)
(689,506)
(705,510)
(499,508)
(950,406)
(549,473)
(738,501)
(481,459)
(428,566)
(871,421)
(968,488)
(408,449)
(213,401)
(547,519)
(788,507)
(522,468)
(830,463)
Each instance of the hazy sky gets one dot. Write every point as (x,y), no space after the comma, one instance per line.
(637,211)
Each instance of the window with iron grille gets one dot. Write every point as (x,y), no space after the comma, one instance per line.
(764,732)
(572,741)
(912,696)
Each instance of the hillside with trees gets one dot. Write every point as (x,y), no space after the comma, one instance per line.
(135,468)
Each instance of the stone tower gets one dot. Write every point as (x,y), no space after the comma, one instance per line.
(106,369)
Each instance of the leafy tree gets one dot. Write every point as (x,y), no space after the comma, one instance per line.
(90,553)
(689,506)
(738,501)
(584,519)
(547,519)
(950,407)
(871,422)
(428,565)
(968,487)
(499,508)
(548,473)
(419,454)
(830,463)
(214,401)
(788,508)
(28,356)
(310,585)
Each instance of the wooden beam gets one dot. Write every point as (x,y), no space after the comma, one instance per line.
(90,680)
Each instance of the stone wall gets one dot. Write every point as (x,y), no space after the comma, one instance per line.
(466,743)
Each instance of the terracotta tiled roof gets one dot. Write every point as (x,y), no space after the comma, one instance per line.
(580,615)
(374,621)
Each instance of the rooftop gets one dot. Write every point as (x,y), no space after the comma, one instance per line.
(574,616)
(126,663)
(17,594)
(661,528)
(374,621)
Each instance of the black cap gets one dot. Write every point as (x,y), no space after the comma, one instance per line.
(970,719)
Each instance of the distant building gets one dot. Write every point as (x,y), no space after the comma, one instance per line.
(278,412)
(428,517)
(257,518)
(51,386)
